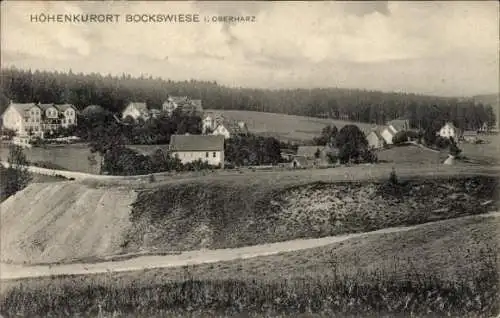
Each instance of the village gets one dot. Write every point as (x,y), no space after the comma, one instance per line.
(27,124)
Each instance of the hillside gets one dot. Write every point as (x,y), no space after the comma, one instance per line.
(67,221)
(442,269)
(64,220)
(284,127)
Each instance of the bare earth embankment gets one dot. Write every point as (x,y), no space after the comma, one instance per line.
(49,222)
(69,221)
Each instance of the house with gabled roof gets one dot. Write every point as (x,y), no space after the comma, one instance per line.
(174,102)
(388,133)
(189,148)
(35,119)
(136,110)
(317,155)
(231,128)
(449,130)
(23,118)
(375,139)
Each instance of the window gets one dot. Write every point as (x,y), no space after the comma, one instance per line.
(213,154)
(206,155)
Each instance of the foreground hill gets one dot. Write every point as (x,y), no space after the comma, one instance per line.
(67,221)
(447,268)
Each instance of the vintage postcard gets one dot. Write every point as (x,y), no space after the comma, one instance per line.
(249,159)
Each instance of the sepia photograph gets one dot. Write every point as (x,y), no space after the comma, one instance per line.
(250,159)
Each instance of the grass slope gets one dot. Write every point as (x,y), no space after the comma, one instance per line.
(226,214)
(284,127)
(448,269)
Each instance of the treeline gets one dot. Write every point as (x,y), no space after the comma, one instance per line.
(113,93)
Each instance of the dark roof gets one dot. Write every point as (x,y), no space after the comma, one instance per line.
(301,160)
(233,126)
(178,99)
(470,133)
(44,107)
(63,107)
(196,143)
(22,108)
(400,124)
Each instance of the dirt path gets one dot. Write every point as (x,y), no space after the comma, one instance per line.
(8,271)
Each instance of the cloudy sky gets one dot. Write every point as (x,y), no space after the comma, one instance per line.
(442,48)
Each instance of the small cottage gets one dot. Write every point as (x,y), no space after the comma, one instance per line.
(449,130)
(230,129)
(375,140)
(301,162)
(388,133)
(136,110)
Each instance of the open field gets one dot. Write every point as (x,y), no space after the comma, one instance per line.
(73,157)
(219,213)
(449,268)
(284,127)
(412,154)
(484,153)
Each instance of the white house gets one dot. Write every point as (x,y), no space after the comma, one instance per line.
(35,119)
(174,102)
(375,140)
(230,129)
(23,118)
(136,110)
(388,132)
(69,114)
(449,131)
(209,123)
(189,148)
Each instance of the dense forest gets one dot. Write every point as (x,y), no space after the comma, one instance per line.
(113,92)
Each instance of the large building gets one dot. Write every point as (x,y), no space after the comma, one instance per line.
(189,148)
(38,119)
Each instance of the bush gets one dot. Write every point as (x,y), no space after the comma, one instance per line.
(400,138)
(442,143)
(369,156)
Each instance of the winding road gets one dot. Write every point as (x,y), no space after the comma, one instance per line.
(9,271)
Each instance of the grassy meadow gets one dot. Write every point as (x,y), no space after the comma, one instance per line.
(442,269)
(284,127)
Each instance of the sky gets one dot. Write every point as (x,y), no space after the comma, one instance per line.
(438,48)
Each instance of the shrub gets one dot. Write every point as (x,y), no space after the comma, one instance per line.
(400,138)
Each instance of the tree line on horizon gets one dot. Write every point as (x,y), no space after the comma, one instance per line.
(114,92)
